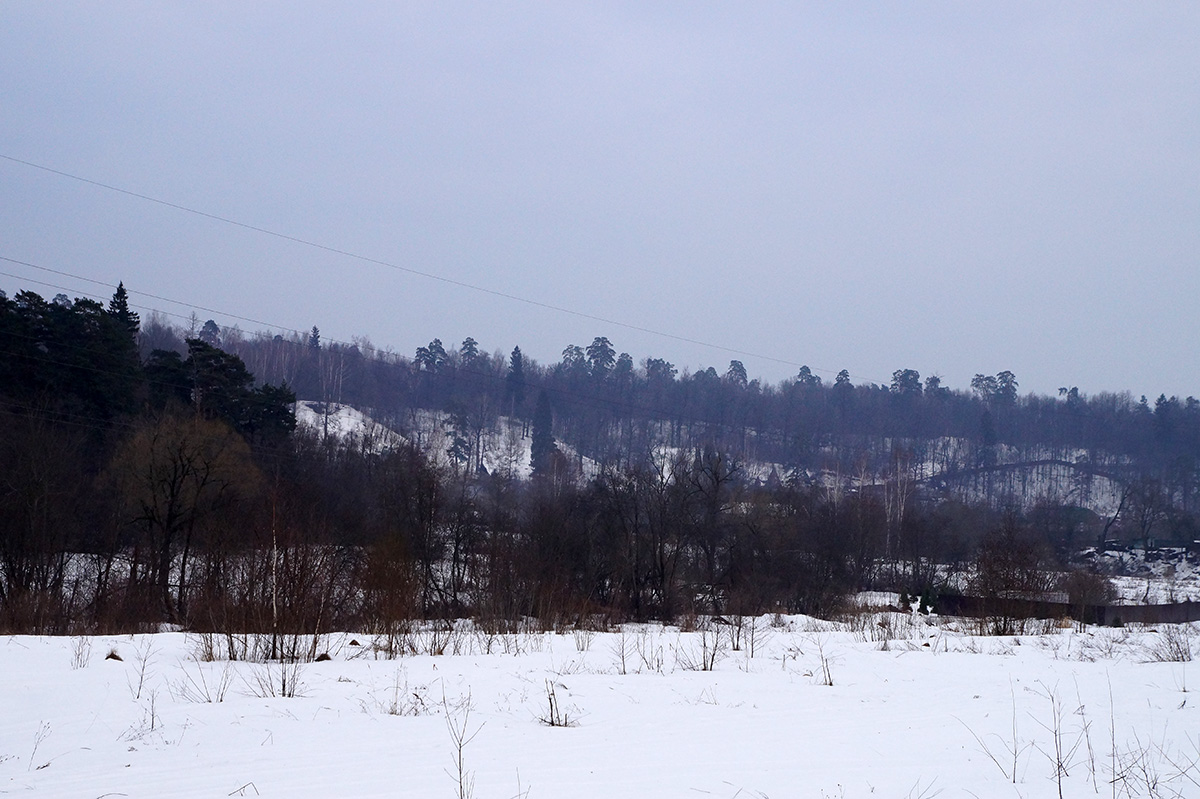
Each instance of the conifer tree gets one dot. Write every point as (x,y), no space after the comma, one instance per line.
(118,308)
(515,381)
(543,446)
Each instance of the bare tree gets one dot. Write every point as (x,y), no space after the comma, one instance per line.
(172,475)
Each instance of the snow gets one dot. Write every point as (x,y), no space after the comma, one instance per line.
(345,423)
(505,444)
(917,707)
(1036,473)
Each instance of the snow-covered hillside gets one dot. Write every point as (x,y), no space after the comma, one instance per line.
(950,467)
(882,705)
(345,424)
(504,447)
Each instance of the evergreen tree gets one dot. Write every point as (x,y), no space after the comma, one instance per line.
(906,382)
(601,357)
(220,382)
(118,308)
(459,450)
(73,357)
(219,386)
(806,378)
(468,353)
(574,362)
(543,446)
(1006,387)
(515,380)
(736,374)
(623,371)
(210,333)
(168,379)
(431,358)
(660,371)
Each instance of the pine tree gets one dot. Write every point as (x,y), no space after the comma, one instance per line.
(807,379)
(736,374)
(468,353)
(210,333)
(515,381)
(118,308)
(601,356)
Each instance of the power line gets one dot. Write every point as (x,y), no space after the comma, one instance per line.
(217,311)
(150,308)
(406,269)
(140,293)
(90,295)
(565,393)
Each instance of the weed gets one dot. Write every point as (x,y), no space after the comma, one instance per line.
(583,639)
(197,687)
(405,700)
(279,679)
(1009,760)
(1062,751)
(650,651)
(458,724)
(143,657)
(81,651)
(622,651)
(707,649)
(1173,644)
(43,732)
(555,716)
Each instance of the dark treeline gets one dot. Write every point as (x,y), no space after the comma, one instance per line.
(985,444)
(156,475)
(610,408)
(613,410)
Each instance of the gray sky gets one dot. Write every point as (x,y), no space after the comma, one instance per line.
(948,187)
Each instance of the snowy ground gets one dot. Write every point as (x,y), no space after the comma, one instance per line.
(916,708)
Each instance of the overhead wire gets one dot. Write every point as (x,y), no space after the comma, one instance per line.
(100,298)
(565,393)
(402,268)
(152,309)
(140,293)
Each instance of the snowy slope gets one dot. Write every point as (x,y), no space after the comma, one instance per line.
(505,445)
(345,423)
(939,464)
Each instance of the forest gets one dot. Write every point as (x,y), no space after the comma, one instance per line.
(155,473)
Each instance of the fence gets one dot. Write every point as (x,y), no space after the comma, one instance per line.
(1017,608)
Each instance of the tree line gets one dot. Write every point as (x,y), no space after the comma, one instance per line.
(976,444)
(153,474)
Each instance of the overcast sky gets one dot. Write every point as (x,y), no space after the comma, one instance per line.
(948,187)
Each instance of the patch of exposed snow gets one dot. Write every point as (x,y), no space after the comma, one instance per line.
(345,423)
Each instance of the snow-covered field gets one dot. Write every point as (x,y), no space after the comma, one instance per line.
(916,708)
